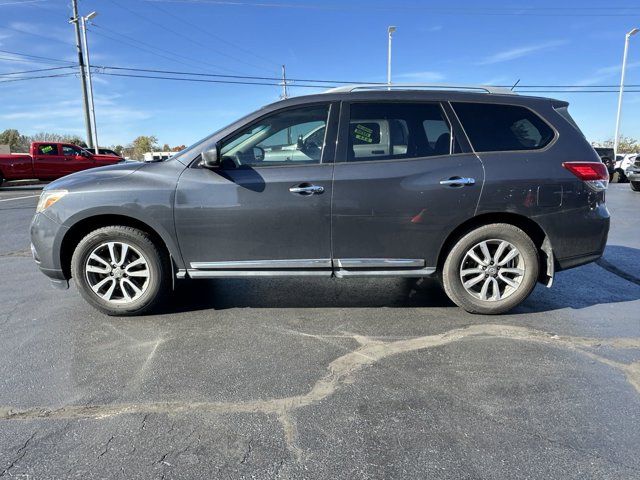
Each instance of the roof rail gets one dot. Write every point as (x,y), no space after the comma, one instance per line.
(426,86)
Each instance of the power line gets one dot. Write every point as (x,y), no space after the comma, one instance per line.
(219,39)
(265,83)
(206,80)
(26,32)
(153,50)
(182,35)
(24,2)
(247,77)
(146,48)
(239,82)
(310,82)
(38,77)
(436,10)
(34,71)
(37,57)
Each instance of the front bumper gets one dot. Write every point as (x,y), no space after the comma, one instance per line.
(634,176)
(46,237)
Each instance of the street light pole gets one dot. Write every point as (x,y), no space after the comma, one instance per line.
(390,31)
(616,140)
(83,23)
(85,103)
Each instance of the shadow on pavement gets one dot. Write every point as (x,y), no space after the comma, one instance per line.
(605,282)
(308,293)
(582,287)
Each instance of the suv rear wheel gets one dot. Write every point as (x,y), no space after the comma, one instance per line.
(120,271)
(635,186)
(491,269)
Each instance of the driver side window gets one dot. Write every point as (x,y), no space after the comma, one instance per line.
(290,137)
(69,151)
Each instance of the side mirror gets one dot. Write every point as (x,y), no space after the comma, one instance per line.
(210,158)
(300,144)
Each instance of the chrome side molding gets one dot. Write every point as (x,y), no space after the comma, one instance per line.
(311,267)
(379,262)
(263,264)
(409,273)
(257,273)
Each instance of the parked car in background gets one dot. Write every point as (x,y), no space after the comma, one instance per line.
(49,161)
(623,164)
(485,190)
(608,157)
(106,151)
(633,173)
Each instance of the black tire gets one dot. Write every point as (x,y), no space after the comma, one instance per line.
(635,186)
(451,277)
(159,269)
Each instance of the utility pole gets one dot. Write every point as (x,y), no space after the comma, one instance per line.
(390,31)
(285,93)
(85,102)
(616,140)
(83,24)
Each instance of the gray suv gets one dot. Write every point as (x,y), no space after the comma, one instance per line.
(485,190)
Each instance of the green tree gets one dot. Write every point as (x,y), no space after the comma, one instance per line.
(58,137)
(74,140)
(143,144)
(166,148)
(16,142)
(117,148)
(625,145)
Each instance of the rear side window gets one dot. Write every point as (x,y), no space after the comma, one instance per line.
(390,131)
(47,149)
(499,128)
(364,133)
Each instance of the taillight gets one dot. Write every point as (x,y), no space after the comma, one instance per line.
(594,174)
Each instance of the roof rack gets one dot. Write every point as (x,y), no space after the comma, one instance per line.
(429,86)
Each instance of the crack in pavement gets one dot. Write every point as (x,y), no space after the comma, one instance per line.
(20,453)
(341,371)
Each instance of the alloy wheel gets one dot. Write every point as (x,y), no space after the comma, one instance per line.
(492,270)
(117,272)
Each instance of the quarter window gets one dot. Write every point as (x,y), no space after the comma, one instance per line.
(294,136)
(388,131)
(498,128)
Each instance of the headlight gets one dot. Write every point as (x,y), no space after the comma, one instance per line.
(48,198)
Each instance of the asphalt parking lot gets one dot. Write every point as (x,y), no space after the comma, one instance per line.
(322,378)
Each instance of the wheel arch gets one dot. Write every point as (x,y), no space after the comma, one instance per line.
(83,227)
(526,224)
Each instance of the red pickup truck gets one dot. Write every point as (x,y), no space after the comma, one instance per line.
(51,160)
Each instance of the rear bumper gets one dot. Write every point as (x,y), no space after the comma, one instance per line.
(581,239)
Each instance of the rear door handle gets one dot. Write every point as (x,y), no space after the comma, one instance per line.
(458,181)
(307,189)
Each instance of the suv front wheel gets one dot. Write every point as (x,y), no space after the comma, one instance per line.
(491,269)
(120,271)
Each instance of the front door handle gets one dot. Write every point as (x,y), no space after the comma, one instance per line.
(307,189)
(458,181)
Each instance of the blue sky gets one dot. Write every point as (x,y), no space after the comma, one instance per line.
(548,42)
